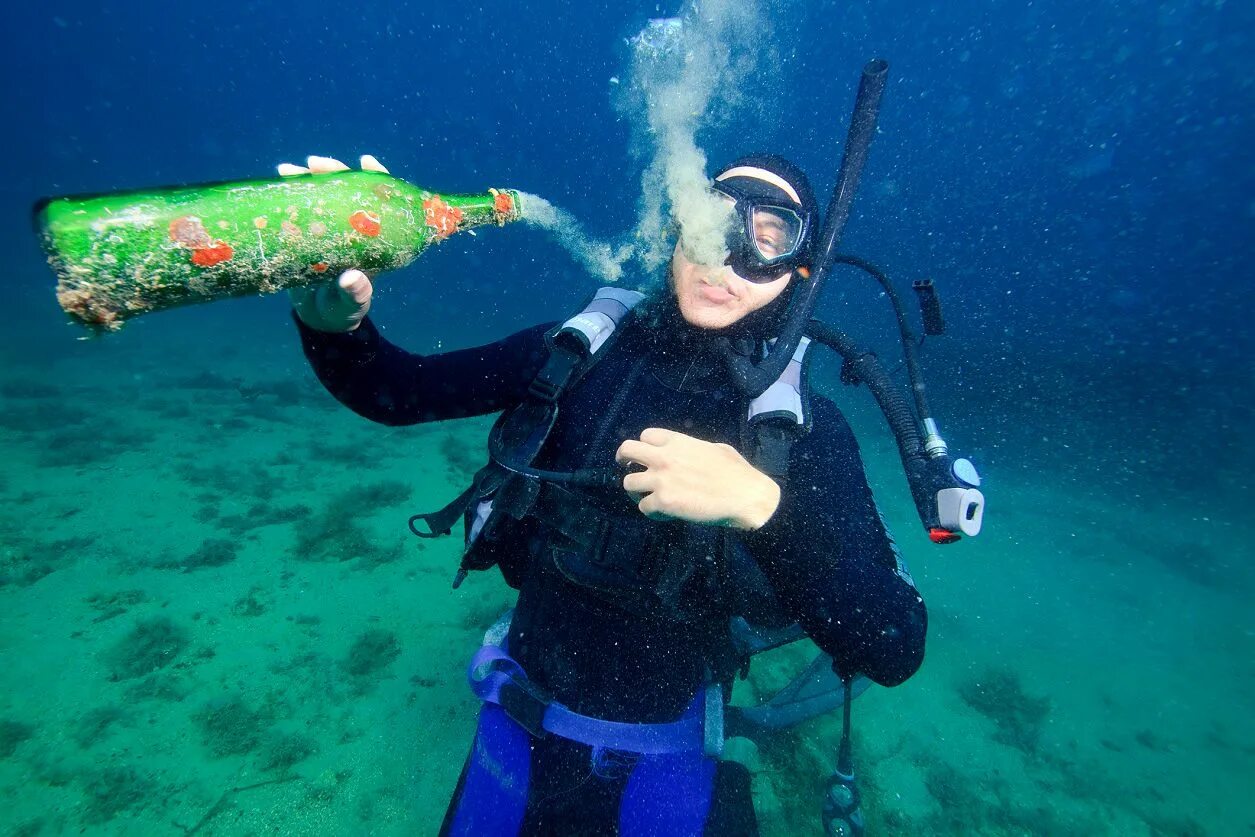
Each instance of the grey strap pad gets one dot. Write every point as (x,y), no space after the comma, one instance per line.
(600,317)
(788,397)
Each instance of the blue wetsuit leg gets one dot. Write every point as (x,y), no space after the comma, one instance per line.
(668,794)
(497,797)
(492,794)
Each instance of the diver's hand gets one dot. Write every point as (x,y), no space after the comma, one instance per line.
(702,482)
(341,305)
(337,306)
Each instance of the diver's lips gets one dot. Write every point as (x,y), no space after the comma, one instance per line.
(714,293)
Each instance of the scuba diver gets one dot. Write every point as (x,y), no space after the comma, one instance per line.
(640,502)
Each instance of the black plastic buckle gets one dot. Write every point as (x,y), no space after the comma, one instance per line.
(554,376)
(773,441)
(525,704)
(440,523)
(434,529)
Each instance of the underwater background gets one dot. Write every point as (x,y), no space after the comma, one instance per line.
(213,619)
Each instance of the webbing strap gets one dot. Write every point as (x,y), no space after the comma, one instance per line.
(496,678)
(553,377)
(576,344)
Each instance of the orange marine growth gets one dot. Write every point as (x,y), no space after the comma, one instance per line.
(188,231)
(215,253)
(319,267)
(365,223)
(503,203)
(442,218)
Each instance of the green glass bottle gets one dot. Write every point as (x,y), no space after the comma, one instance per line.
(123,254)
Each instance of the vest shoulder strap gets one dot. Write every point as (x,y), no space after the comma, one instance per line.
(781,415)
(579,341)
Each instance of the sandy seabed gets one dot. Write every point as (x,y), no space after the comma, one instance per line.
(215,621)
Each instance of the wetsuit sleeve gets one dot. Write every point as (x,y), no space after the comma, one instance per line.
(387,384)
(832,563)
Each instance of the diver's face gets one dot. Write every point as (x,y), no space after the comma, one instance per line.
(716,297)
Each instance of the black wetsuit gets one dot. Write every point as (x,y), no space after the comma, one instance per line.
(825,552)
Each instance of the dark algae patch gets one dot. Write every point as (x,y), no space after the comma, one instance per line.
(1000,697)
(25,560)
(96,723)
(371,652)
(111,605)
(333,535)
(116,790)
(213,552)
(230,727)
(12,734)
(150,646)
(263,514)
(972,807)
(285,750)
(384,494)
(250,605)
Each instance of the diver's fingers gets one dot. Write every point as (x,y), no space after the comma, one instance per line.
(328,165)
(356,286)
(658,436)
(324,165)
(640,483)
(639,452)
(652,508)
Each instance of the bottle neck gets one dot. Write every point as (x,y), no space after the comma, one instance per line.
(447,214)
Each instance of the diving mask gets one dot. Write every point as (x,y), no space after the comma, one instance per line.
(770,236)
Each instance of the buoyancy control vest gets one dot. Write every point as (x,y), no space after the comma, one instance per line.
(648,567)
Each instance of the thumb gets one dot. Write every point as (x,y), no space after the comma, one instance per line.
(355,286)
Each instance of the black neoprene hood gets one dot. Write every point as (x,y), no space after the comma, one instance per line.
(766,322)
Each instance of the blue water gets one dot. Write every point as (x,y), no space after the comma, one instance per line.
(1078,178)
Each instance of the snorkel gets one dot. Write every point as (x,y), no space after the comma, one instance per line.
(754,378)
(945,490)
